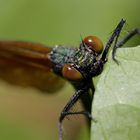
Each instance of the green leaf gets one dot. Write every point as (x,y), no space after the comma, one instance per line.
(116,105)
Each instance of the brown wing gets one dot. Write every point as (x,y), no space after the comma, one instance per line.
(27,64)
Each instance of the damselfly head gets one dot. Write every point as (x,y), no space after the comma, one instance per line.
(94,43)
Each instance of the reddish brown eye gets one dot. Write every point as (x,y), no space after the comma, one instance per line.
(95,43)
(71,73)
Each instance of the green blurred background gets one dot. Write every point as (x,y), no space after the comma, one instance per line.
(26,114)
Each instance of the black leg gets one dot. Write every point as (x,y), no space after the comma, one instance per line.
(87,114)
(92,90)
(124,40)
(69,105)
(115,36)
(88,97)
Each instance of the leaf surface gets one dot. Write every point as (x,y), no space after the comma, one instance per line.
(116,104)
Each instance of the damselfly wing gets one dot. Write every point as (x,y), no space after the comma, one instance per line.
(27,64)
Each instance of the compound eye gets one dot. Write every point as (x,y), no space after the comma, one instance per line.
(94,43)
(71,73)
